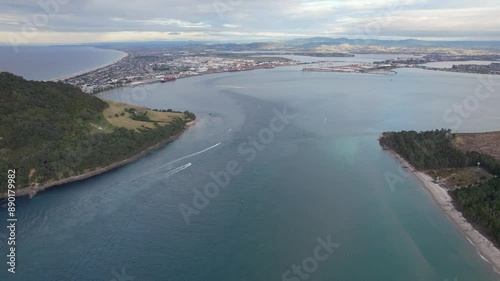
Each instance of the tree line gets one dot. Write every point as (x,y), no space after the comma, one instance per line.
(46,132)
(435,150)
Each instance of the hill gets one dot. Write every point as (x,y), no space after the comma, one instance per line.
(50,131)
(304,44)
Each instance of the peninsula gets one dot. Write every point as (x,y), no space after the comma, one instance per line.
(461,173)
(52,133)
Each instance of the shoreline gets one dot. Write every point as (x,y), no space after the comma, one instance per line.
(485,248)
(31,191)
(357,72)
(150,82)
(448,70)
(85,71)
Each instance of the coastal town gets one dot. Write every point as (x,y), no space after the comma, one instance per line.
(139,66)
(151,66)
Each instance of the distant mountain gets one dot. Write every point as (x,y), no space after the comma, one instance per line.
(409,43)
(300,44)
(316,42)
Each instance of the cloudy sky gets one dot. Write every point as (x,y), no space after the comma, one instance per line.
(80,21)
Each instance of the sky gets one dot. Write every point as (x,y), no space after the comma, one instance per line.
(90,21)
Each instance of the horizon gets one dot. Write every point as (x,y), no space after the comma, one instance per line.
(241,41)
(67,22)
(253,140)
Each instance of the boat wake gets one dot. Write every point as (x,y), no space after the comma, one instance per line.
(179,159)
(178,169)
(188,156)
(228,131)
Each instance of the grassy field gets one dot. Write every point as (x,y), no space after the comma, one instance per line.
(487,143)
(460,177)
(117,116)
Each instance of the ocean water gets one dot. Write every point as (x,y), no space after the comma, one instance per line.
(52,62)
(306,171)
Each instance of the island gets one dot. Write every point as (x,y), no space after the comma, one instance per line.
(461,173)
(52,133)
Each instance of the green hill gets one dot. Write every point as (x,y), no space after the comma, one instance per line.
(50,131)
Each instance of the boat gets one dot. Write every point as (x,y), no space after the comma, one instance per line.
(167,79)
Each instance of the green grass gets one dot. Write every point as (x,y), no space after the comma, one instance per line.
(125,121)
(460,177)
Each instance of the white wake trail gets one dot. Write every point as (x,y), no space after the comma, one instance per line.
(187,156)
(177,160)
(178,169)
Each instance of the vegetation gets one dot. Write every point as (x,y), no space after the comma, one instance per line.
(51,130)
(481,206)
(141,117)
(138,117)
(480,203)
(190,115)
(452,178)
(486,143)
(434,150)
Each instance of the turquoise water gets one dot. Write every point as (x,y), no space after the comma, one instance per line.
(46,63)
(320,176)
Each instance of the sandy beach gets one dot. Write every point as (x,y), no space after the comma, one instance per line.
(485,247)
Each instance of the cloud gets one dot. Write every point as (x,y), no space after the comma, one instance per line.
(162,22)
(257,19)
(228,25)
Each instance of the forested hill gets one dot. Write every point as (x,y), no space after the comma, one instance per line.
(435,150)
(50,131)
(480,203)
